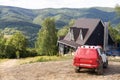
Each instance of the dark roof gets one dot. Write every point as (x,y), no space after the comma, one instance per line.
(87,25)
(69,43)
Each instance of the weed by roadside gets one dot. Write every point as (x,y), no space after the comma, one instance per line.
(44,59)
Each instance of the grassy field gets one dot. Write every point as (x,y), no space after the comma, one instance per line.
(39,59)
(44,59)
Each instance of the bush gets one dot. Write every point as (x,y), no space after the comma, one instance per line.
(43,59)
(2,55)
(32,52)
(48,58)
(9,52)
(28,53)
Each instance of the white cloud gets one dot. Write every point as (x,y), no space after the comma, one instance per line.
(59,3)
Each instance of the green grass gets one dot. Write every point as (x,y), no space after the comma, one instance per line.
(44,59)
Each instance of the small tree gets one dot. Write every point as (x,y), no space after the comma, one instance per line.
(47,38)
(19,41)
(114,32)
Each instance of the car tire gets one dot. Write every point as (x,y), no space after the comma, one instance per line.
(100,69)
(77,69)
(105,65)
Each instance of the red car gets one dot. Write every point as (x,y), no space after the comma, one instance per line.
(91,57)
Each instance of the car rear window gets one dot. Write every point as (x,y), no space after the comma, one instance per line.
(87,53)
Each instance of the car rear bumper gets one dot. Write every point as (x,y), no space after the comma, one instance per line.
(86,65)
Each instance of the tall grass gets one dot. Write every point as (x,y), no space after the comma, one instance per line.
(44,59)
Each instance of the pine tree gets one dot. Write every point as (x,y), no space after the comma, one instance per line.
(47,38)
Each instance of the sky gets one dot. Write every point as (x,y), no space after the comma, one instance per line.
(39,4)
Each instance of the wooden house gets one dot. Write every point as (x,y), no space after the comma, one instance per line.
(85,31)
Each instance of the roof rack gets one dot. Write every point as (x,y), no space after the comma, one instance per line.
(89,46)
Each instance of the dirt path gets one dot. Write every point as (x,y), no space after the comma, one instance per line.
(7,65)
(57,70)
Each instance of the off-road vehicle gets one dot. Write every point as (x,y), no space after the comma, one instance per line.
(91,57)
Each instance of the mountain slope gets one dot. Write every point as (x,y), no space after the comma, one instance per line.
(18,19)
(64,15)
(16,14)
(61,15)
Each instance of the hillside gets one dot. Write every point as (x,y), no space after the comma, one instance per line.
(18,19)
(29,20)
(64,15)
(61,15)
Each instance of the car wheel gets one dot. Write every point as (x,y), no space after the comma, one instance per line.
(77,69)
(100,69)
(105,65)
(93,70)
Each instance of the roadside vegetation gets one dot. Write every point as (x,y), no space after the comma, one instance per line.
(44,59)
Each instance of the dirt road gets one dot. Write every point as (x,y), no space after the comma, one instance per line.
(57,70)
(8,64)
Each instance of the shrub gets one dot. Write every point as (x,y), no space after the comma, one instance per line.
(28,53)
